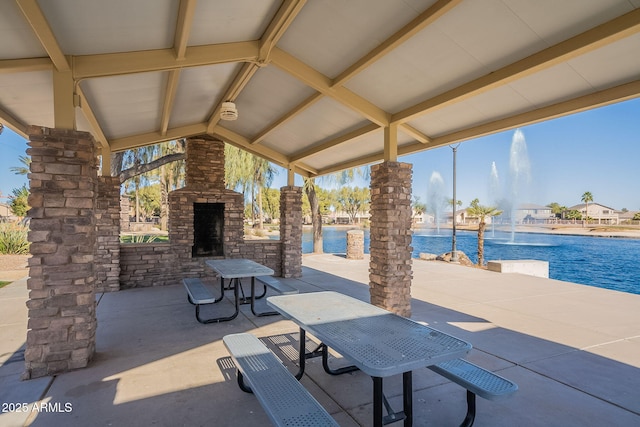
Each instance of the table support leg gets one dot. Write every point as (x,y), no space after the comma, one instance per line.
(377,402)
(328,370)
(253,300)
(222,319)
(407,398)
(302,356)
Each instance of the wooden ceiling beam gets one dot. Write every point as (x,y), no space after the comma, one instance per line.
(8,66)
(358,133)
(113,64)
(36,19)
(322,84)
(149,138)
(14,124)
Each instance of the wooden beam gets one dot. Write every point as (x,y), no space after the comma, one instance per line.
(609,32)
(241,141)
(14,124)
(290,115)
(183,27)
(277,27)
(96,129)
(64,111)
(34,16)
(141,140)
(391,143)
(419,23)
(366,130)
(322,84)
(169,99)
(415,133)
(8,66)
(113,64)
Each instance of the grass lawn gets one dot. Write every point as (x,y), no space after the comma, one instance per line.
(2,284)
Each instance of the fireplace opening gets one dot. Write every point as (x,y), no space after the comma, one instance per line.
(208,228)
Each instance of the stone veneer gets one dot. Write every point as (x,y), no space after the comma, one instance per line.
(62,306)
(107,262)
(291,230)
(390,271)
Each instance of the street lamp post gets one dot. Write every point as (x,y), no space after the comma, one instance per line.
(454,252)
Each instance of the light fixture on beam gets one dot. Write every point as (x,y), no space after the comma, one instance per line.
(228,111)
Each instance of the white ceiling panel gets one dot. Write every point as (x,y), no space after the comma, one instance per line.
(16,37)
(20,92)
(231,21)
(551,86)
(199,89)
(330,35)
(616,65)
(84,27)
(326,119)
(270,94)
(127,104)
(356,148)
(404,78)
(555,21)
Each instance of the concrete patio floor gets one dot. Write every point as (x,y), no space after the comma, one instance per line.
(573,350)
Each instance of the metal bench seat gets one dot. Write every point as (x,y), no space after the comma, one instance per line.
(284,399)
(198,292)
(478,381)
(277,285)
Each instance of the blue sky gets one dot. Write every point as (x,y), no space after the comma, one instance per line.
(596,151)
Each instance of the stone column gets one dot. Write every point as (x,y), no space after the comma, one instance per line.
(125,207)
(390,271)
(107,261)
(62,306)
(291,230)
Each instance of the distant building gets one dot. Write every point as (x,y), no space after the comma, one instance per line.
(603,214)
(6,214)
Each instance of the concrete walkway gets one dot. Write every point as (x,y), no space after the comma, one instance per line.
(573,350)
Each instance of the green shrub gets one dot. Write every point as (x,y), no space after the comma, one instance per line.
(13,239)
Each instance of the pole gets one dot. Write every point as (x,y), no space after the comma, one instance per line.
(454,252)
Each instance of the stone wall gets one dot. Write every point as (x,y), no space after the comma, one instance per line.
(107,262)
(291,230)
(390,271)
(62,307)
(155,264)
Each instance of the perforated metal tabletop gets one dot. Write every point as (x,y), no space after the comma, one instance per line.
(378,342)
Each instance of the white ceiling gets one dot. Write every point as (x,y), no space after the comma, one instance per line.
(315,82)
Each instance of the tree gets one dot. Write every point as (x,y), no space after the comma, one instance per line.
(482,212)
(556,209)
(24,169)
(586,198)
(636,216)
(417,207)
(353,201)
(19,201)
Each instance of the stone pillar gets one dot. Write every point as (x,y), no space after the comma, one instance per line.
(62,307)
(390,265)
(125,208)
(291,230)
(107,261)
(204,163)
(355,244)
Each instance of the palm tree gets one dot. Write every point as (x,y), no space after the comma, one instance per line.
(24,169)
(482,212)
(586,198)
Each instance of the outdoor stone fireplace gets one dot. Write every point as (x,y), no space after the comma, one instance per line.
(205,219)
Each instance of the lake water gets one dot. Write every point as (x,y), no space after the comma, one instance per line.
(611,263)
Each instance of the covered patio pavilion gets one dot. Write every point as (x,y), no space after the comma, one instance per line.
(319,87)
